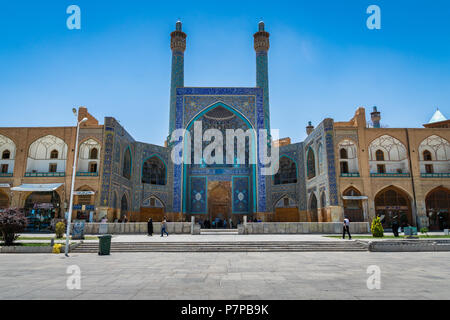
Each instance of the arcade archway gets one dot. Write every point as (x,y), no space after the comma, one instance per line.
(286,210)
(227,163)
(353,207)
(219,202)
(41,208)
(84,204)
(438,206)
(393,203)
(152,207)
(123,207)
(313,208)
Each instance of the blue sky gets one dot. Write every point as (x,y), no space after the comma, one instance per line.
(323,61)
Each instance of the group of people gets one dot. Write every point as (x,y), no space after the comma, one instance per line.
(216,224)
(163,227)
(396,222)
(219,223)
(346,227)
(123,219)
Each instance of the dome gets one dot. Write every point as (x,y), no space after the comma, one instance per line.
(437,117)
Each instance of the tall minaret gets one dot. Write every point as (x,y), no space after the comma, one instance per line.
(178,45)
(376,117)
(261,44)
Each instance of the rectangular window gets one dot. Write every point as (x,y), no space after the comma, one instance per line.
(152,202)
(4,168)
(52,167)
(429,168)
(381,168)
(344,167)
(93,167)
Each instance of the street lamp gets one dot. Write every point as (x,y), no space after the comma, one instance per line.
(74,171)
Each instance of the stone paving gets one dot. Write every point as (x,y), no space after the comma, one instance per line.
(258,275)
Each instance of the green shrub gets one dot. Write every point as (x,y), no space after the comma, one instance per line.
(12,221)
(377,228)
(424,231)
(60,228)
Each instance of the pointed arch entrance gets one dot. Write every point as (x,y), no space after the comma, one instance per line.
(287,172)
(221,174)
(313,208)
(353,207)
(393,203)
(438,205)
(40,208)
(84,204)
(115,207)
(152,207)
(286,210)
(323,205)
(219,201)
(124,206)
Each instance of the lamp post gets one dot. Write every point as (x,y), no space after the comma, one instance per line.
(74,172)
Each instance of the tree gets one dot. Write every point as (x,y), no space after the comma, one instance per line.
(12,221)
(377,228)
(59,229)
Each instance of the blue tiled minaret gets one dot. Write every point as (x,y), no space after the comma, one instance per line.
(376,117)
(261,44)
(178,45)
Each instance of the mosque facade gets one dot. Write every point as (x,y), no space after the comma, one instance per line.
(357,168)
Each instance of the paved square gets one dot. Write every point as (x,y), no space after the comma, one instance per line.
(258,275)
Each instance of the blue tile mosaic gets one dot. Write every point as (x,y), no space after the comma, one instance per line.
(248,102)
(198,195)
(241,195)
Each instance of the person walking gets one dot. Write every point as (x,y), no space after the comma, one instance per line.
(346,228)
(395,226)
(150,227)
(164,227)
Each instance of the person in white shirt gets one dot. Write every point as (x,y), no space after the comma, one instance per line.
(346,228)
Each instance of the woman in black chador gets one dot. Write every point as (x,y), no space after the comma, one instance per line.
(395,226)
(150,226)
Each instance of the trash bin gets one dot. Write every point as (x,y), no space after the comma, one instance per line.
(410,231)
(104,246)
